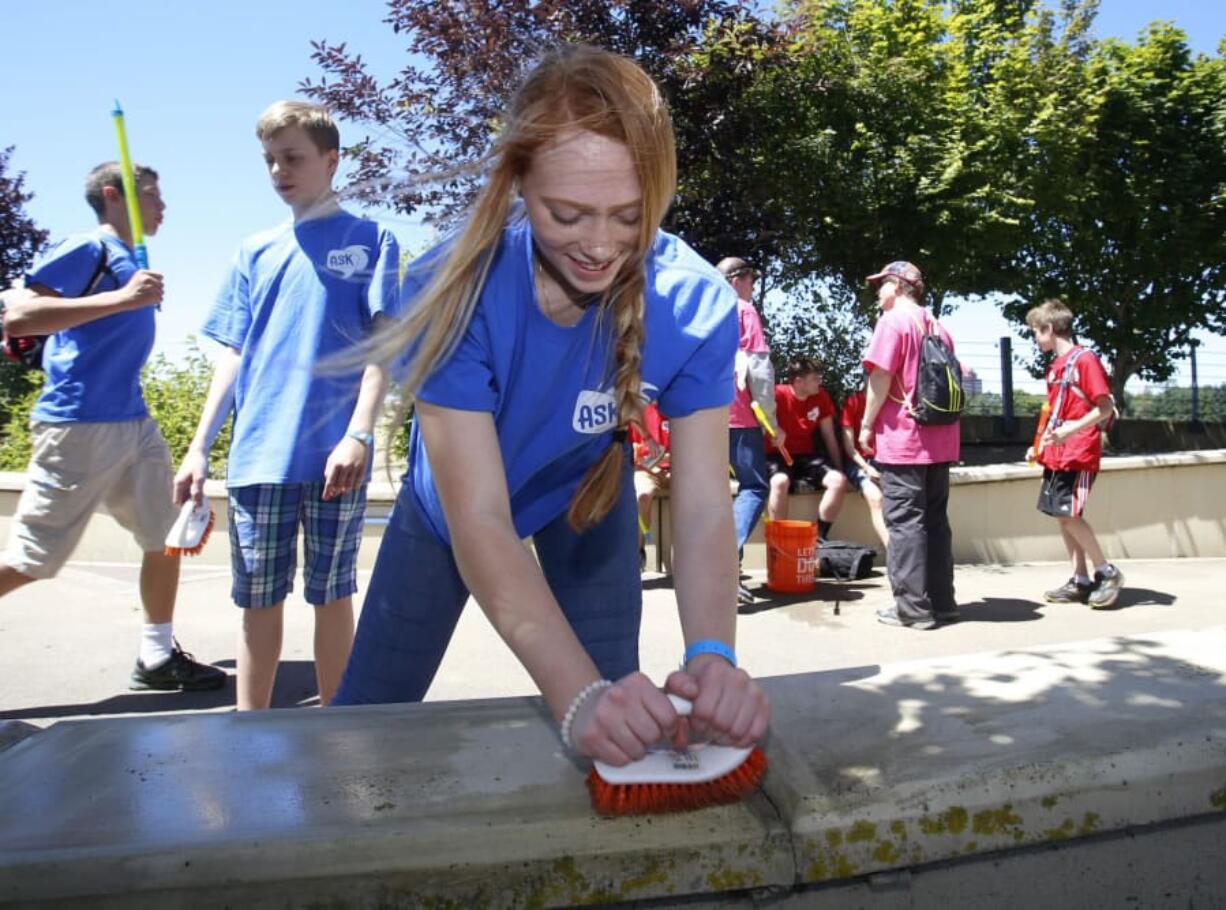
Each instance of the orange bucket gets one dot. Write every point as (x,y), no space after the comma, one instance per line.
(791,556)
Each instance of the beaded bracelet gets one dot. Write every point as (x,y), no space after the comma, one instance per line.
(568,719)
(709,646)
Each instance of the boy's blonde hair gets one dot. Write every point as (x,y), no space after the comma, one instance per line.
(575,87)
(313,118)
(1054,313)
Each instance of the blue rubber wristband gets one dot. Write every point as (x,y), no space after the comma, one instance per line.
(709,646)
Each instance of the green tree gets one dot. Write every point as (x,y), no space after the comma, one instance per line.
(836,339)
(895,133)
(1129,224)
(1175,403)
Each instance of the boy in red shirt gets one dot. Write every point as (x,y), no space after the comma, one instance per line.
(1070,449)
(805,411)
(651,464)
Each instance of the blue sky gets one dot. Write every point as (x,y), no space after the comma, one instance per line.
(193,78)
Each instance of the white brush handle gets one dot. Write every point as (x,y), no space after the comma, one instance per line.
(664,765)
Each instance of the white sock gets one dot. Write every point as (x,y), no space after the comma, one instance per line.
(1106,570)
(156,640)
(1082,580)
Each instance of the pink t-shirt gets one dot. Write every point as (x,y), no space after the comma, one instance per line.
(753,341)
(895,348)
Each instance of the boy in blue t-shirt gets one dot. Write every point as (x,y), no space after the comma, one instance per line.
(93,440)
(301,447)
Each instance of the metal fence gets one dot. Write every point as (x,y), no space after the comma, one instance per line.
(998,376)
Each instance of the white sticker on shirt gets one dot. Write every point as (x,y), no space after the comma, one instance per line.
(595,412)
(345,262)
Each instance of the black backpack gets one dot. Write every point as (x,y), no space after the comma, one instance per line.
(938,398)
(27,350)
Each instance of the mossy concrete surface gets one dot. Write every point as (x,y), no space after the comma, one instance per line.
(926,761)
(874,771)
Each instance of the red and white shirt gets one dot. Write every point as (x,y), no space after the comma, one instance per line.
(1083,450)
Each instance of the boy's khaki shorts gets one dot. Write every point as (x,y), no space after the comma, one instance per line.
(77,467)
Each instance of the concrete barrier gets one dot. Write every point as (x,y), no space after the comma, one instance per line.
(1142,507)
(1089,774)
(105,540)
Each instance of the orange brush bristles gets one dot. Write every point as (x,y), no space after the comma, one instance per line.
(198,548)
(647,799)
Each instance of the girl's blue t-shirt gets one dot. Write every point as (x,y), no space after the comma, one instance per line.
(549,387)
(296,296)
(93,370)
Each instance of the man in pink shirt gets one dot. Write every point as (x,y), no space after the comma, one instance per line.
(913,458)
(754,380)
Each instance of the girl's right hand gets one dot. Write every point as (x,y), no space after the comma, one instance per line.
(619,724)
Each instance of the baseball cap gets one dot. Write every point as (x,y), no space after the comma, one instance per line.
(734,267)
(903,271)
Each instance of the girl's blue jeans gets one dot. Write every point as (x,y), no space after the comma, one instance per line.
(416,595)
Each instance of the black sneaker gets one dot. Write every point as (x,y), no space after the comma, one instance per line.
(178,673)
(1106,589)
(743,594)
(1071,592)
(889,616)
(947,617)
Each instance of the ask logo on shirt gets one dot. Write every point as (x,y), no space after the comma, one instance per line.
(348,260)
(596,409)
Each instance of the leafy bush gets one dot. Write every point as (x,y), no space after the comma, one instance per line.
(174,392)
(22,389)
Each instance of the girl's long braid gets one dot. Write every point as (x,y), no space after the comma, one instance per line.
(598,492)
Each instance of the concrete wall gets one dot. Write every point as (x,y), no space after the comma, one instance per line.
(1143,506)
(105,540)
(1083,775)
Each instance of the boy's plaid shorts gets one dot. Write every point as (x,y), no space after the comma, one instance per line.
(264,521)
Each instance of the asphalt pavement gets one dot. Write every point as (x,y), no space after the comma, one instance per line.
(67,645)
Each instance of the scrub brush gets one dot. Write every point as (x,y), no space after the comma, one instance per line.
(668,780)
(191,529)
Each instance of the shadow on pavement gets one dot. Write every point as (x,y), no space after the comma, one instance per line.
(1004,609)
(658,583)
(295,687)
(1143,597)
(823,592)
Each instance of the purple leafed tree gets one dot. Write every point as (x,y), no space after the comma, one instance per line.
(428,128)
(20,239)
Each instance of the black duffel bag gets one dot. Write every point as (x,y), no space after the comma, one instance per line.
(845,560)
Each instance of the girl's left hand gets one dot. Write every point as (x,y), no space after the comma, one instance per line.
(729,707)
